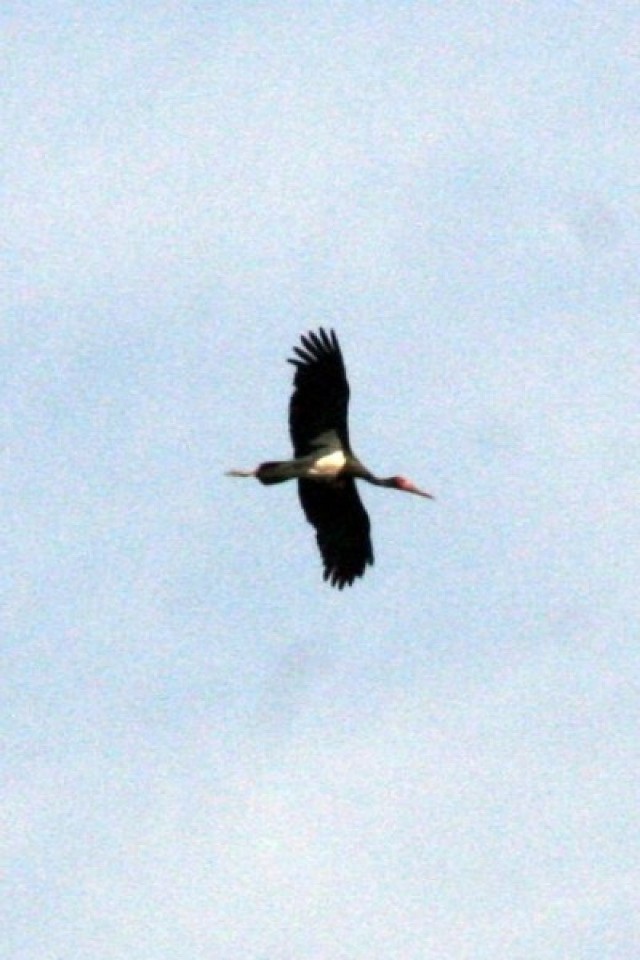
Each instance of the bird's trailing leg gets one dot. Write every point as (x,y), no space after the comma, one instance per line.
(240,473)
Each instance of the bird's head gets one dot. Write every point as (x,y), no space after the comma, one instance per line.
(401,483)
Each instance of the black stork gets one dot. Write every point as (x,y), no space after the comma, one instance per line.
(324,465)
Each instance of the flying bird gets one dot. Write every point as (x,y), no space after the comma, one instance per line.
(324,464)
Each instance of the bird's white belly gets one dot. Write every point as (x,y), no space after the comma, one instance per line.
(328,459)
(328,465)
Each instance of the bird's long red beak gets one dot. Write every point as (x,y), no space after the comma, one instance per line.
(410,487)
(420,493)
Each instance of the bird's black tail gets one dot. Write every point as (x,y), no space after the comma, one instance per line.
(273,471)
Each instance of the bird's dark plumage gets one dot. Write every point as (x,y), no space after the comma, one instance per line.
(320,403)
(342,528)
(320,397)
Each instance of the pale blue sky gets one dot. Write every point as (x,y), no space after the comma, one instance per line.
(208,754)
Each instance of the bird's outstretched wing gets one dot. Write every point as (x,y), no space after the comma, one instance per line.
(342,528)
(320,398)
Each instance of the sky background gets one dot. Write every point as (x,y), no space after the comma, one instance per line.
(207,752)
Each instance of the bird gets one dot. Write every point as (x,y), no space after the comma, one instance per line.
(324,463)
